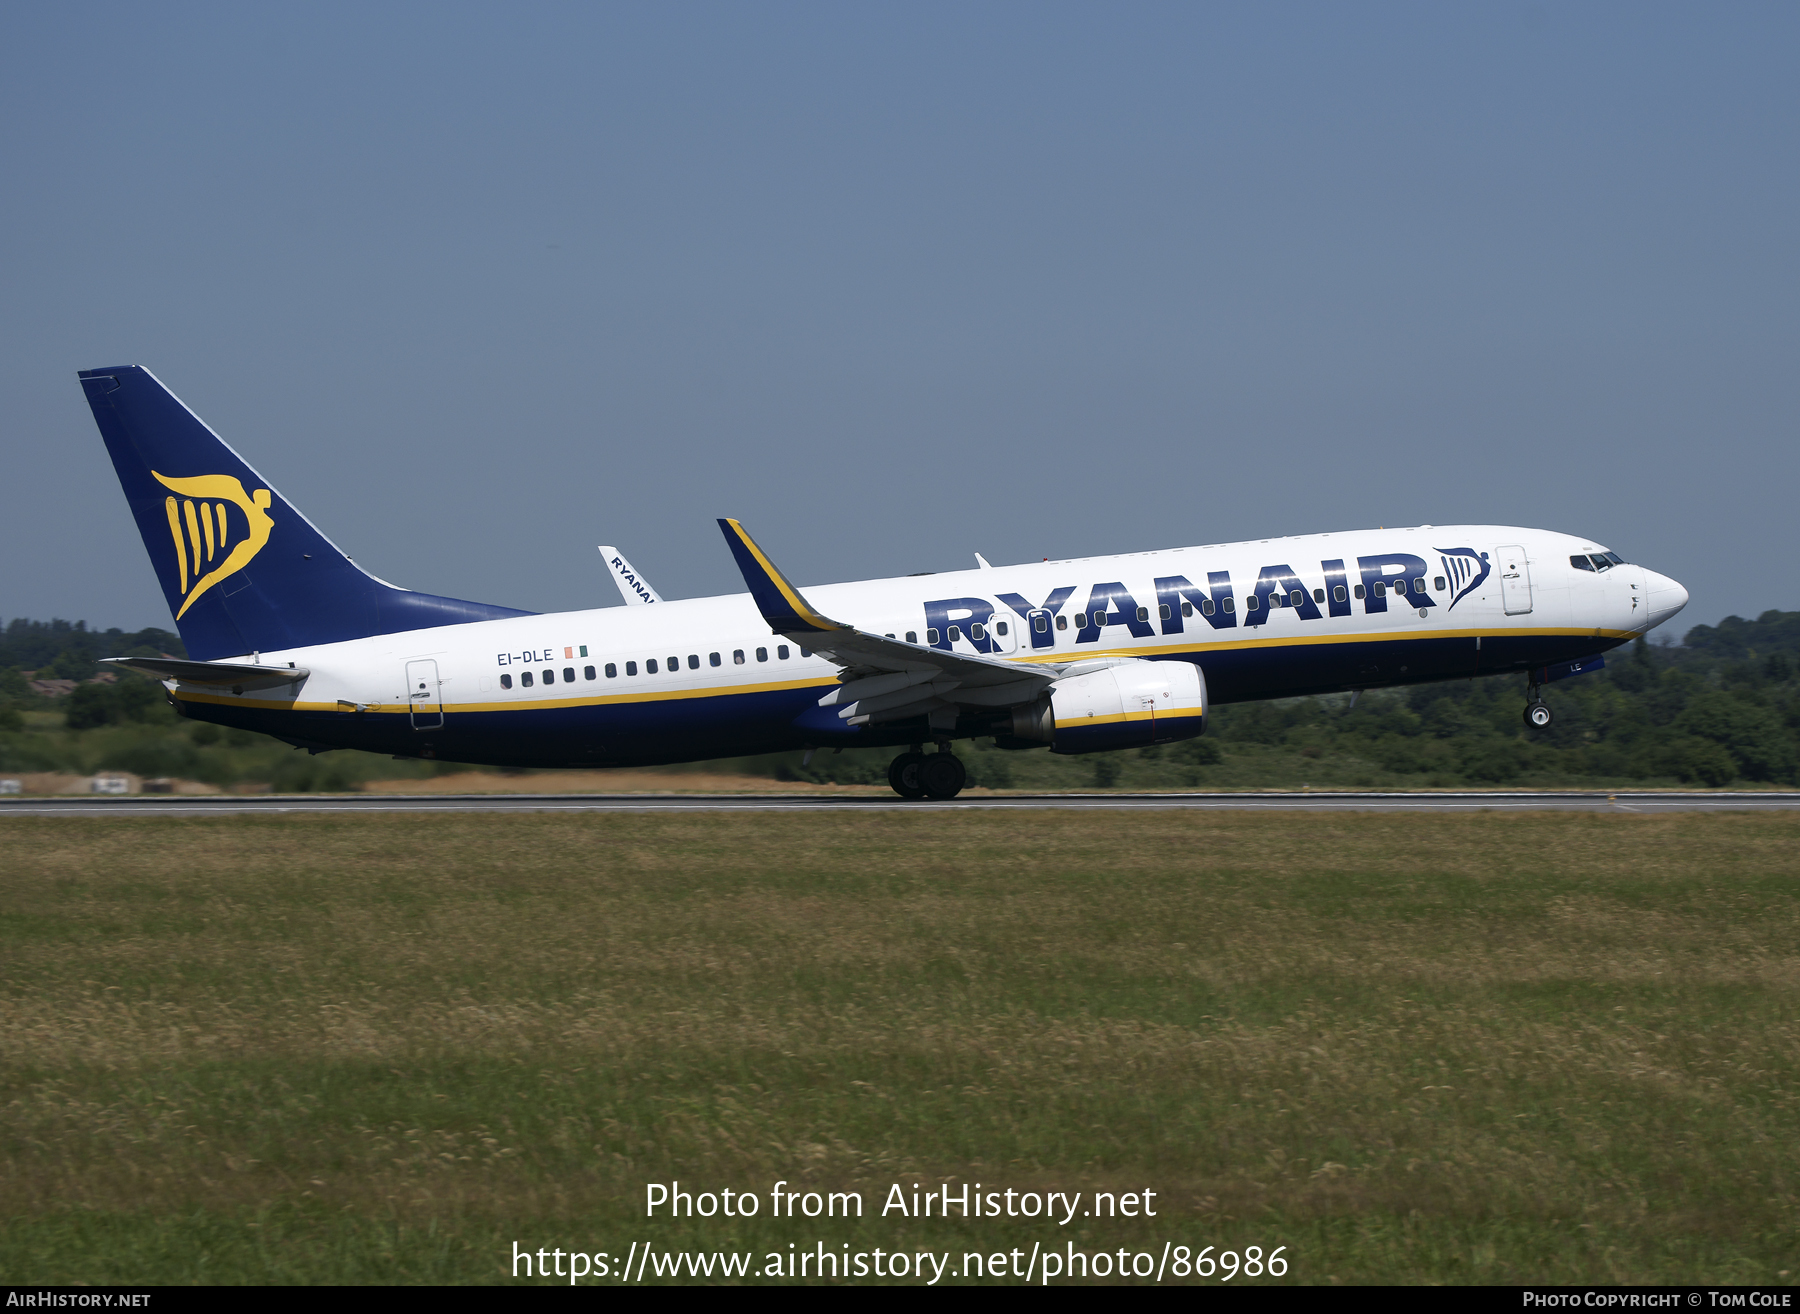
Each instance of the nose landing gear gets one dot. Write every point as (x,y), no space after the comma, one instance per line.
(1537,711)
(916,775)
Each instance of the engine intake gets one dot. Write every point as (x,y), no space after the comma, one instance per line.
(1129,705)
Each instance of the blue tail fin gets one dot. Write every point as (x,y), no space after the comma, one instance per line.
(243,571)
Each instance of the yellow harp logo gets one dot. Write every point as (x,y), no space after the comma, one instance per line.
(200,525)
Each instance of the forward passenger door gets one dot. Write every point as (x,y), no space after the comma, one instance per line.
(1515,580)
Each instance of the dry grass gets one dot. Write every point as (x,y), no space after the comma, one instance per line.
(1450,1048)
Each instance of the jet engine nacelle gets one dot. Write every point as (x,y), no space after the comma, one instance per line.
(1130,704)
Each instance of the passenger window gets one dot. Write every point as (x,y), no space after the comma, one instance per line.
(1206,607)
(568,675)
(912,636)
(1250,603)
(1143,613)
(762,654)
(524,679)
(1437,583)
(612,671)
(1041,624)
(714,658)
(650,667)
(1062,622)
(693,661)
(1230,605)
(806,652)
(1380,589)
(781,651)
(978,631)
(631,668)
(506,682)
(1297,597)
(1081,620)
(674,665)
(587,672)
(737,656)
(1359,590)
(955,633)
(1000,628)
(1338,594)
(549,677)
(1318,595)
(931,636)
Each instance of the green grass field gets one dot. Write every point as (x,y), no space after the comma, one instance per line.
(1463,1048)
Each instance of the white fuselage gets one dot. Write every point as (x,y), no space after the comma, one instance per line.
(694,678)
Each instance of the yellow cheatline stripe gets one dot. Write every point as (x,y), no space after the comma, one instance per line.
(519,705)
(175,533)
(1078,722)
(1064,657)
(780,581)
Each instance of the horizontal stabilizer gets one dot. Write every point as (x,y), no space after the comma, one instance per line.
(237,676)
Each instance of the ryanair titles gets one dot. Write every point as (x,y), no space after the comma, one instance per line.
(1400,579)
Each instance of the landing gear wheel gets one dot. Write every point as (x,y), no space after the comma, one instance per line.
(942,775)
(1537,716)
(903,775)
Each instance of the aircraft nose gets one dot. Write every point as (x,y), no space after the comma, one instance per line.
(1664,598)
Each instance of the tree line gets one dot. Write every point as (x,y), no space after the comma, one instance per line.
(1721,707)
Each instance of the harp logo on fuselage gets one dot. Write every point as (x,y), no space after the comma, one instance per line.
(205,531)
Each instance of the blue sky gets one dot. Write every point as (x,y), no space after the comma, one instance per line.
(479,287)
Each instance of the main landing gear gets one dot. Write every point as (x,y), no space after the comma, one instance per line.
(918,775)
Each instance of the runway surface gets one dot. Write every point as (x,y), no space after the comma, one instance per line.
(211,806)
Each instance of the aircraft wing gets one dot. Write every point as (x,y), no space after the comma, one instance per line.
(883,679)
(630,580)
(238,676)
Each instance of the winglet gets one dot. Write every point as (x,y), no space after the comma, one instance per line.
(779,601)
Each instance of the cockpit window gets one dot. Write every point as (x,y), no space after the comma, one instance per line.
(1581,563)
(1615,558)
(1600,562)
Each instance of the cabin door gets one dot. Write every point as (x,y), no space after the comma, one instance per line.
(424,696)
(1003,629)
(1515,580)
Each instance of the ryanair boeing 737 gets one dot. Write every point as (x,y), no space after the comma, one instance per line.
(287,636)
